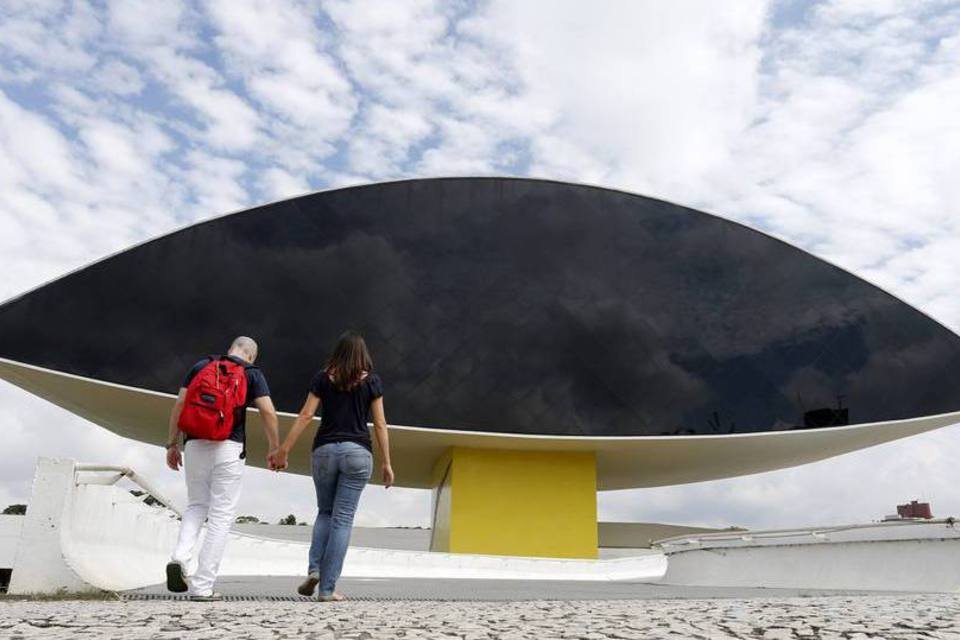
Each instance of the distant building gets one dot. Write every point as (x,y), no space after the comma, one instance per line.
(915,509)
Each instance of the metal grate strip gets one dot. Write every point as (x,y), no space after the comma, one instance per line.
(134,597)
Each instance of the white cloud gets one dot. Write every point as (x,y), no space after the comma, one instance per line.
(49,38)
(654,95)
(230,122)
(439,86)
(142,23)
(282,59)
(215,181)
(162,38)
(278,51)
(278,184)
(35,152)
(118,77)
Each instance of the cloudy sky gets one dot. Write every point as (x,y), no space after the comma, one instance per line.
(832,125)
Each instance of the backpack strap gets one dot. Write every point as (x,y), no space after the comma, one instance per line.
(246,367)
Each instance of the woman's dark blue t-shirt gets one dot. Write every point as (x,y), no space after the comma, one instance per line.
(344,414)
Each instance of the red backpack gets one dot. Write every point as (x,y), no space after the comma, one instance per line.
(214,399)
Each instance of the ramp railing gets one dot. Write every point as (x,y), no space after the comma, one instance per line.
(118,474)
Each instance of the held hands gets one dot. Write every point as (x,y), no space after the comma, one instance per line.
(174,458)
(277,459)
(387,472)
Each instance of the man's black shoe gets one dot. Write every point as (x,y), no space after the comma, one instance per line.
(175,580)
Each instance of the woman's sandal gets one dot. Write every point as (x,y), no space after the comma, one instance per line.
(333,597)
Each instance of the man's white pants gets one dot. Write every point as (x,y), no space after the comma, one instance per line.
(214,471)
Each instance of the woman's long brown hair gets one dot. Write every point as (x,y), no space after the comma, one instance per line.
(349,361)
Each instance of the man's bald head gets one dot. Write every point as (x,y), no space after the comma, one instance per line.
(244,347)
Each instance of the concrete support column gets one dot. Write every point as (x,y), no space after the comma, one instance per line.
(39,566)
(517,503)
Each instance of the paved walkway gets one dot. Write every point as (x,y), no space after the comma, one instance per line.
(834,617)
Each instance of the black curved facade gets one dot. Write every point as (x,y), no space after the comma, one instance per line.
(508,305)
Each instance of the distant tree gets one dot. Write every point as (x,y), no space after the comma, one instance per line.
(290,519)
(247,520)
(15,510)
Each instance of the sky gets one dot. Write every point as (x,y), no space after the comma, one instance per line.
(832,125)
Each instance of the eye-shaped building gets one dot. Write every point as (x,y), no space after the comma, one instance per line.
(538,341)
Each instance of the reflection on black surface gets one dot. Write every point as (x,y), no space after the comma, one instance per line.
(826,417)
(506,305)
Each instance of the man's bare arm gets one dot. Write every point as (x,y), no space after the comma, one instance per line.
(271,424)
(174,459)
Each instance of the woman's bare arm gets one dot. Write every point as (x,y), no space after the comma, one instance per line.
(383,440)
(307,412)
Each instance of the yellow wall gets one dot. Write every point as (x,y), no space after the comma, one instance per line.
(522,503)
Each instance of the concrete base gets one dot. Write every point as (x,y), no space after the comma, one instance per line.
(516,503)
(886,556)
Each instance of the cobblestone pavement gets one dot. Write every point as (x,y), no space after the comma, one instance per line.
(854,618)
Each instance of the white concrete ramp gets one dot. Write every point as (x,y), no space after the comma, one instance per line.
(902,555)
(83,532)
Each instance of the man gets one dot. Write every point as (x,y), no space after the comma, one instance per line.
(213,470)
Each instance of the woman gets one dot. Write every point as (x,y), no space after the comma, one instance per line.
(350,395)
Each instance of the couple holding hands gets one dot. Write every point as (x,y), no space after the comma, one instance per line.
(209,415)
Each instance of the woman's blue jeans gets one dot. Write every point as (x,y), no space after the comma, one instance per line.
(340,472)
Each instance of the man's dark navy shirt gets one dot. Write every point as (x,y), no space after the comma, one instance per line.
(256,388)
